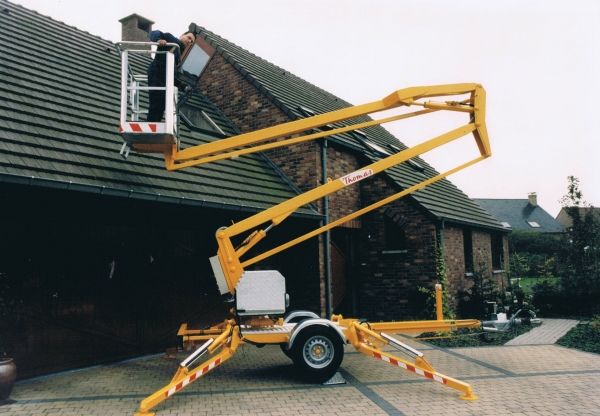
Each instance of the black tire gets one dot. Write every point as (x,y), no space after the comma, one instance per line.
(317,353)
(295,320)
(288,353)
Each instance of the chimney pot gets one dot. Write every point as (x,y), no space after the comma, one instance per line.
(532,199)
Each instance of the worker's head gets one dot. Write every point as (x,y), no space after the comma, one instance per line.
(187,38)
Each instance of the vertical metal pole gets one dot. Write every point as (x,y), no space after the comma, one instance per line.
(327,237)
(124,79)
(439,308)
(169,87)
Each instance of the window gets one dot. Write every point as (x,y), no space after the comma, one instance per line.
(370,145)
(376,148)
(415,165)
(497,251)
(533,224)
(394,148)
(306,112)
(395,236)
(468,250)
(199,119)
(195,61)
(360,134)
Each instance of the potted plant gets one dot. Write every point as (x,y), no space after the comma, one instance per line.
(8,369)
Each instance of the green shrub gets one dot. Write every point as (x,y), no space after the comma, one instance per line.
(584,337)
(547,299)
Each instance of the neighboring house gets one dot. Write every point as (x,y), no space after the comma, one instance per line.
(567,222)
(521,214)
(107,256)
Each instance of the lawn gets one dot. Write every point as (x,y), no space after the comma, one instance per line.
(527,283)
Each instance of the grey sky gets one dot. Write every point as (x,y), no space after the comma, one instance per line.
(538,60)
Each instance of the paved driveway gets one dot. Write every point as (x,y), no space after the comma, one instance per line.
(509,380)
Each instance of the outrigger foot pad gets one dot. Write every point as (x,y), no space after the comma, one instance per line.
(469,397)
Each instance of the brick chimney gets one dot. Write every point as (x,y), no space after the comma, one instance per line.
(532,196)
(135,28)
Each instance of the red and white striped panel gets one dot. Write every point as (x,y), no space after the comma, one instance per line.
(409,367)
(192,377)
(135,127)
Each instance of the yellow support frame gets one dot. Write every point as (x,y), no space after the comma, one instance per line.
(228,341)
(230,257)
(365,337)
(368,340)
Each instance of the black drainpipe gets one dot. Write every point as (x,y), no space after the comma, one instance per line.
(327,237)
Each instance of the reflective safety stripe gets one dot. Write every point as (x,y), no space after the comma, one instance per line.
(424,373)
(192,377)
(142,128)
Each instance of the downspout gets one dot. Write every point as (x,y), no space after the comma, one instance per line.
(327,236)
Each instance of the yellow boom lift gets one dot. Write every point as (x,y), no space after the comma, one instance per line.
(314,344)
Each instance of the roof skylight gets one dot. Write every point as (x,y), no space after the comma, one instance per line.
(376,148)
(415,165)
(306,112)
(533,224)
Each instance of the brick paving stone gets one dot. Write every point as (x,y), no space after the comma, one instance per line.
(544,380)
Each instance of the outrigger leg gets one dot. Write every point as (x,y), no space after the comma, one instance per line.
(228,341)
(368,342)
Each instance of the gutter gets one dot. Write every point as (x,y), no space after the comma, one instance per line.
(133,194)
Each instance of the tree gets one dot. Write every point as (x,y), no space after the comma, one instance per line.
(581,251)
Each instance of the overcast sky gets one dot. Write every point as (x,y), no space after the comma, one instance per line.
(538,60)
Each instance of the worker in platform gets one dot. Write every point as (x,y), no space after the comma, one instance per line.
(157,69)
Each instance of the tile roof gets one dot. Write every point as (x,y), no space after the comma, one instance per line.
(290,93)
(566,221)
(519,213)
(59,112)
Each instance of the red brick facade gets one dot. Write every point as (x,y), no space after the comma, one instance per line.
(389,279)
(454,257)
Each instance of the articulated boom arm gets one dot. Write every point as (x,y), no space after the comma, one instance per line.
(229,257)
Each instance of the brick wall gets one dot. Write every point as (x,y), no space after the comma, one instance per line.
(482,251)
(454,256)
(347,200)
(388,281)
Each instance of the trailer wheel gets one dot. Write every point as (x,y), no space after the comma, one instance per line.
(317,353)
(294,320)
(288,353)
